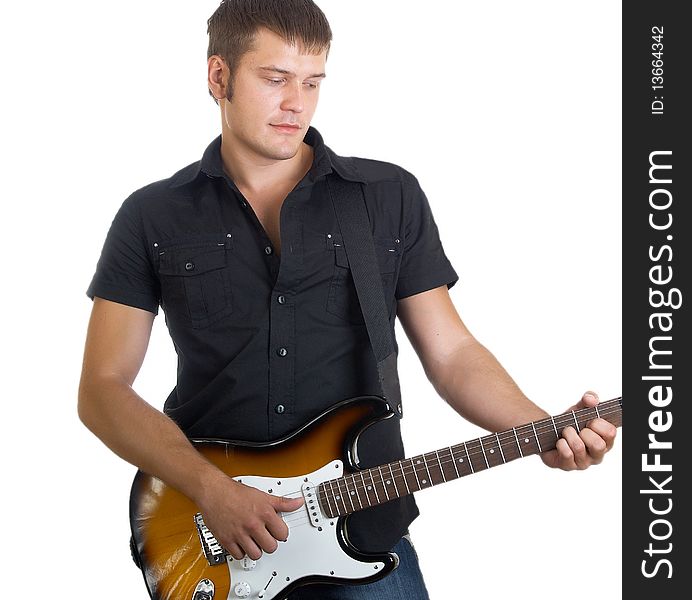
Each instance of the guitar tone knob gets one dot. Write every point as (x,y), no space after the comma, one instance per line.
(242,589)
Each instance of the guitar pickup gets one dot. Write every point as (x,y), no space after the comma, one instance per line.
(214,552)
(312,505)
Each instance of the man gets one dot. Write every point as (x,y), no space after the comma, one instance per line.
(242,251)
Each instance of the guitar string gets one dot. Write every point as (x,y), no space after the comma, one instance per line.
(300,515)
(409,469)
(300,518)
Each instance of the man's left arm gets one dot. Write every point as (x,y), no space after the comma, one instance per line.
(473,382)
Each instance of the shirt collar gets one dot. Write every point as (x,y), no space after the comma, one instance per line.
(324,161)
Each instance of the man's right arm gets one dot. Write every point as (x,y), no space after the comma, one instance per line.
(245,520)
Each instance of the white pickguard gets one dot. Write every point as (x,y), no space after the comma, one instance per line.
(311,548)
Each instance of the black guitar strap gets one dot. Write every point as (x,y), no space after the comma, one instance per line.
(351,213)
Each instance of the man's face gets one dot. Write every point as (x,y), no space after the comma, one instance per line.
(274,85)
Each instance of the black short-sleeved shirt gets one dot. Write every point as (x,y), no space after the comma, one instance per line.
(264,342)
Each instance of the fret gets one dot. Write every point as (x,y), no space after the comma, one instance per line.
(365,489)
(401,468)
(525,437)
(396,488)
(439,464)
(499,445)
(384,485)
(340,496)
(557,435)
(485,456)
(425,464)
(575,422)
(516,437)
(461,463)
(468,457)
(454,461)
(348,492)
(321,490)
(446,464)
(420,487)
(536,436)
(489,452)
(374,487)
(426,479)
(597,413)
(355,487)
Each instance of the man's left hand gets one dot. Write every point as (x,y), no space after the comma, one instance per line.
(580,450)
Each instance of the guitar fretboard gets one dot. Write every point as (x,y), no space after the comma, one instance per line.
(369,487)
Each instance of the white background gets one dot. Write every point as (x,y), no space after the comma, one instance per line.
(509,115)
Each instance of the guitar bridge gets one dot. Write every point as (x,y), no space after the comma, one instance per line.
(214,552)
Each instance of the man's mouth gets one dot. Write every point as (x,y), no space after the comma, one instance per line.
(286,127)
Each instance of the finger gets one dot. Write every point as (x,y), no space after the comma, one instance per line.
(265,540)
(595,445)
(565,457)
(235,551)
(605,430)
(283,504)
(588,400)
(277,528)
(551,458)
(250,548)
(577,446)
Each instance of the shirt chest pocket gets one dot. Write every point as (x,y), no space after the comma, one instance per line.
(343,297)
(195,281)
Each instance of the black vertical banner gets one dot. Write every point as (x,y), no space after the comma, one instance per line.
(657,344)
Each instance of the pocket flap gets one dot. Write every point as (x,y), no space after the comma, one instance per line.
(188,262)
(386,249)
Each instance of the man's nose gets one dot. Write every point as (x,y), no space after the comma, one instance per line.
(293,97)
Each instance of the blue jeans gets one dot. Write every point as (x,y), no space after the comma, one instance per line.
(406,581)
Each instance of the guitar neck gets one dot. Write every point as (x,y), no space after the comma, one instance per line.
(369,487)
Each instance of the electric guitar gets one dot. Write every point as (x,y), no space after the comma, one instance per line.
(181,559)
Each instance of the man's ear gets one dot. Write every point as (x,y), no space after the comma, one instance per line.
(218,77)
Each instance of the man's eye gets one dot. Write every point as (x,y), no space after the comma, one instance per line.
(276,81)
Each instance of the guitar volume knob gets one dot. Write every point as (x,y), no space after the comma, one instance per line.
(242,589)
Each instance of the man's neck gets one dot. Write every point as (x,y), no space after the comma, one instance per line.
(255,178)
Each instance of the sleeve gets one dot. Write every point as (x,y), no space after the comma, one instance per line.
(424,264)
(124,272)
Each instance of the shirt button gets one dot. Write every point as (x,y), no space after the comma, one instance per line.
(281,300)
(268,250)
(282,352)
(280,409)
(189,266)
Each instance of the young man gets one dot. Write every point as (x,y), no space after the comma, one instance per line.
(242,251)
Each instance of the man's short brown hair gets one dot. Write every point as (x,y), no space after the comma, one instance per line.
(234,24)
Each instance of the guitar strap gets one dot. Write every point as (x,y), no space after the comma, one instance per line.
(348,199)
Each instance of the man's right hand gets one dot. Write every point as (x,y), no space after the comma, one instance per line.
(245,520)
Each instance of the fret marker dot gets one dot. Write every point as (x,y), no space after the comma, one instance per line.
(369,487)
(388,482)
(461,460)
(424,481)
(417,462)
(338,497)
(492,450)
(352,493)
(526,440)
